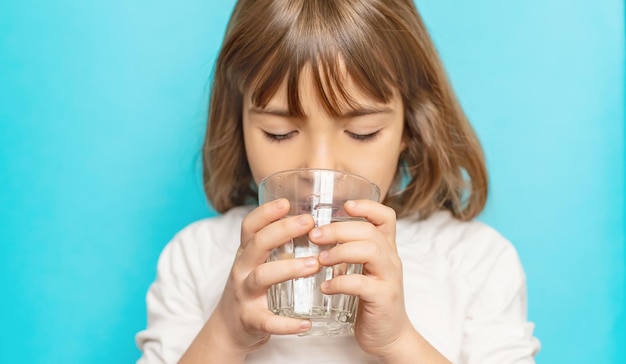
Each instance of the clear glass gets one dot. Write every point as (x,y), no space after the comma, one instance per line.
(322,193)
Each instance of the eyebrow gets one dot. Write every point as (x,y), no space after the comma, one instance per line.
(367,110)
(360,111)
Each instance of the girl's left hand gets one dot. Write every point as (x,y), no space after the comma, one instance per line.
(382,320)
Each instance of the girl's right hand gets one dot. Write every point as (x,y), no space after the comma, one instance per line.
(242,316)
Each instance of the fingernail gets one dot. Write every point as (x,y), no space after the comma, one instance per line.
(280,204)
(303,220)
(350,204)
(305,324)
(323,255)
(324,285)
(310,262)
(316,233)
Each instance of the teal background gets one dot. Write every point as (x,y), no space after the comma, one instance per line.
(102,111)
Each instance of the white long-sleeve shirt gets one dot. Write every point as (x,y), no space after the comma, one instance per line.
(464,288)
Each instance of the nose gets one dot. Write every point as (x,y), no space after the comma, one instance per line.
(321,154)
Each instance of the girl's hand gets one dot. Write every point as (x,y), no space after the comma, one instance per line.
(382,321)
(242,315)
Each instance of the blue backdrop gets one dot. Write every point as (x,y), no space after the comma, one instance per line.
(102,109)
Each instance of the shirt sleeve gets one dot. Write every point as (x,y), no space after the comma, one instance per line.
(496,327)
(175,313)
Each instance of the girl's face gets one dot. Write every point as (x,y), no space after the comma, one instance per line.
(366,140)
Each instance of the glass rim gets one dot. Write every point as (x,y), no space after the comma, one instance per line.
(333,171)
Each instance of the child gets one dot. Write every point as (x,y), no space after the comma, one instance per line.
(353,85)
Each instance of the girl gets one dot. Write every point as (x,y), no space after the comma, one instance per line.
(353,85)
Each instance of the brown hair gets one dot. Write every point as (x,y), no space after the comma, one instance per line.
(382,44)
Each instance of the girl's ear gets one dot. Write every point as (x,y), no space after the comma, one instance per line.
(404,143)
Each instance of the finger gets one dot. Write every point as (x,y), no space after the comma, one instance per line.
(367,288)
(343,232)
(274,235)
(383,217)
(365,244)
(277,325)
(378,260)
(261,217)
(265,275)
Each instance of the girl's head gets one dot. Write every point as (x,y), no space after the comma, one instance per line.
(354,85)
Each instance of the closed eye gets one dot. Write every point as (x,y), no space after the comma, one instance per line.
(280,137)
(363,137)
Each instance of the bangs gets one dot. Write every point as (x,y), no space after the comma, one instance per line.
(340,43)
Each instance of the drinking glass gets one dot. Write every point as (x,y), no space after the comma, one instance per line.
(321,193)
